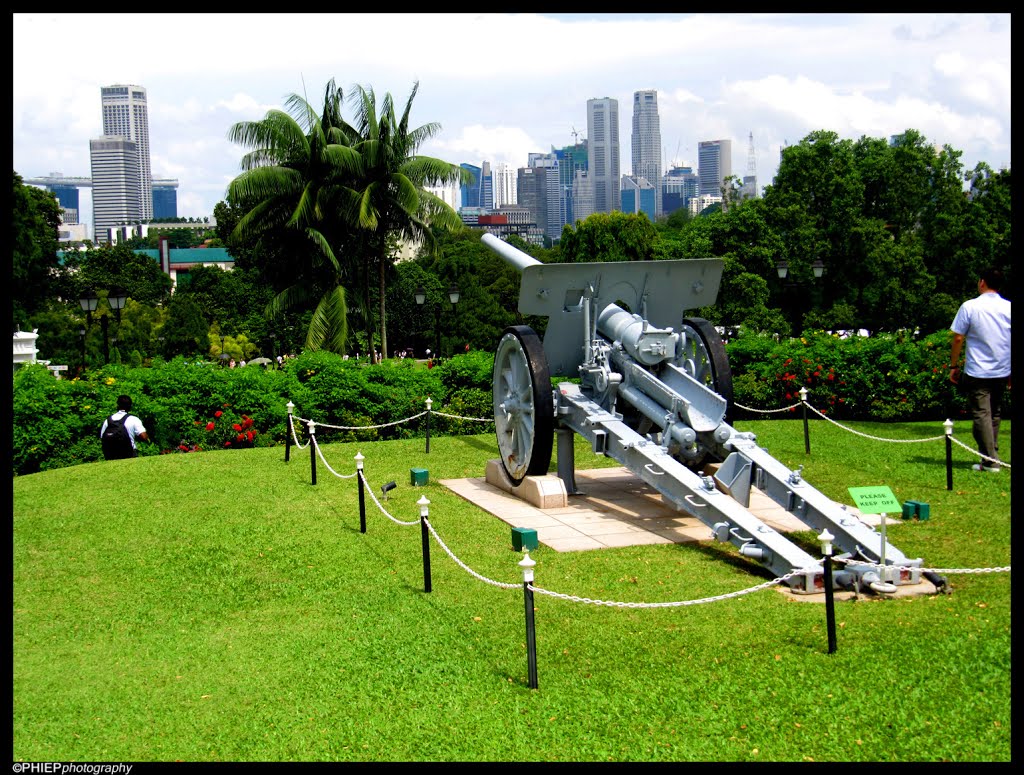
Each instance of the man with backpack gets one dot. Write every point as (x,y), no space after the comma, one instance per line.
(119,431)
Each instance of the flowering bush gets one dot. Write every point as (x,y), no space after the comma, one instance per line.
(228,429)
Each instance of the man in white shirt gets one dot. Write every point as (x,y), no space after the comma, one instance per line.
(132,424)
(984,324)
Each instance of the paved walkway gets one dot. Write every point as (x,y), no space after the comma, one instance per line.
(614,508)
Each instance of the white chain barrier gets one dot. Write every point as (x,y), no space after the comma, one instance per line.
(670,604)
(674,604)
(297,442)
(735,403)
(951,571)
(463,565)
(766,411)
(383,510)
(320,454)
(999,463)
(458,417)
(869,436)
(364,427)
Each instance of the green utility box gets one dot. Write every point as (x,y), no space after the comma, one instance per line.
(524,538)
(418,476)
(916,510)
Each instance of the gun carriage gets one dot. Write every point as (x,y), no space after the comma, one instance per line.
(655,394)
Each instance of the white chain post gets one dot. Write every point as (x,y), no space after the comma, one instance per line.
(803,394)
(948,427)
(424,505)
(826,542)
(527,564)
(359,461)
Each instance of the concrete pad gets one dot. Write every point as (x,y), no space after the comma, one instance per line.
(544,492)
(615,508)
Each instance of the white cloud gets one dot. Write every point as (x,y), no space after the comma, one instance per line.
(504,85)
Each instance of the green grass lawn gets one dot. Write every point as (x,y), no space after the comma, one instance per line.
(218,606)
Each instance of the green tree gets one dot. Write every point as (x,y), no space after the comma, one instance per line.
(184,330)
(390,196)
(612,236)
(35,221)
(292,199)
(118,266)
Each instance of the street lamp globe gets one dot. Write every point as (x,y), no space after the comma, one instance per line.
(453,294)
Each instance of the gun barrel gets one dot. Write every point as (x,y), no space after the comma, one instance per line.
(514,256)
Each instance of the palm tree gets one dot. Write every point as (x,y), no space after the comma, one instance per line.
(292,193)
(390,198)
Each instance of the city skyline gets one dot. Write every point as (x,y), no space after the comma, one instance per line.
(776,77)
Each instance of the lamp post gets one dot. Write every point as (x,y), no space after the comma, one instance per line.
(90,301)
(420,294)
(782,268)
(453,297)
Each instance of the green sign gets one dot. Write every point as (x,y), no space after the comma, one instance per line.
(875,500)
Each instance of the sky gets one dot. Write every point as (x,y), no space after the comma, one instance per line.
(504,85)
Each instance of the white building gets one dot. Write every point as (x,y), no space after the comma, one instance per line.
(25,347)
(125,114)
(115,183)
(603,153)
(505,176)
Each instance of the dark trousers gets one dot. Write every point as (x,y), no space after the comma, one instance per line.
(985,398)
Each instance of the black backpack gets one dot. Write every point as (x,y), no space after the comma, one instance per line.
(117,444)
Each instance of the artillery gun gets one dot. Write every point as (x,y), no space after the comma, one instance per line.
(655,394)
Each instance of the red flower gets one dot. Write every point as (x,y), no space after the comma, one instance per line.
(209,426)
(218,413)
(237,427)
(227,443)
(250,435)
(832,377)
(817,374)
(247,423)
(241,437)
(789,396)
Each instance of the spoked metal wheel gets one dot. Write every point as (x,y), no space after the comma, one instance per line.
(524,418)
(703,357)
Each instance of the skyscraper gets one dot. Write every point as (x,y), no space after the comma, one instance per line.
(486,186)
(504,176)
(115,184)
(603,152)
(646,142)
(471,190)
(165,199)
(637,196)
(125,115)
(714,165)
